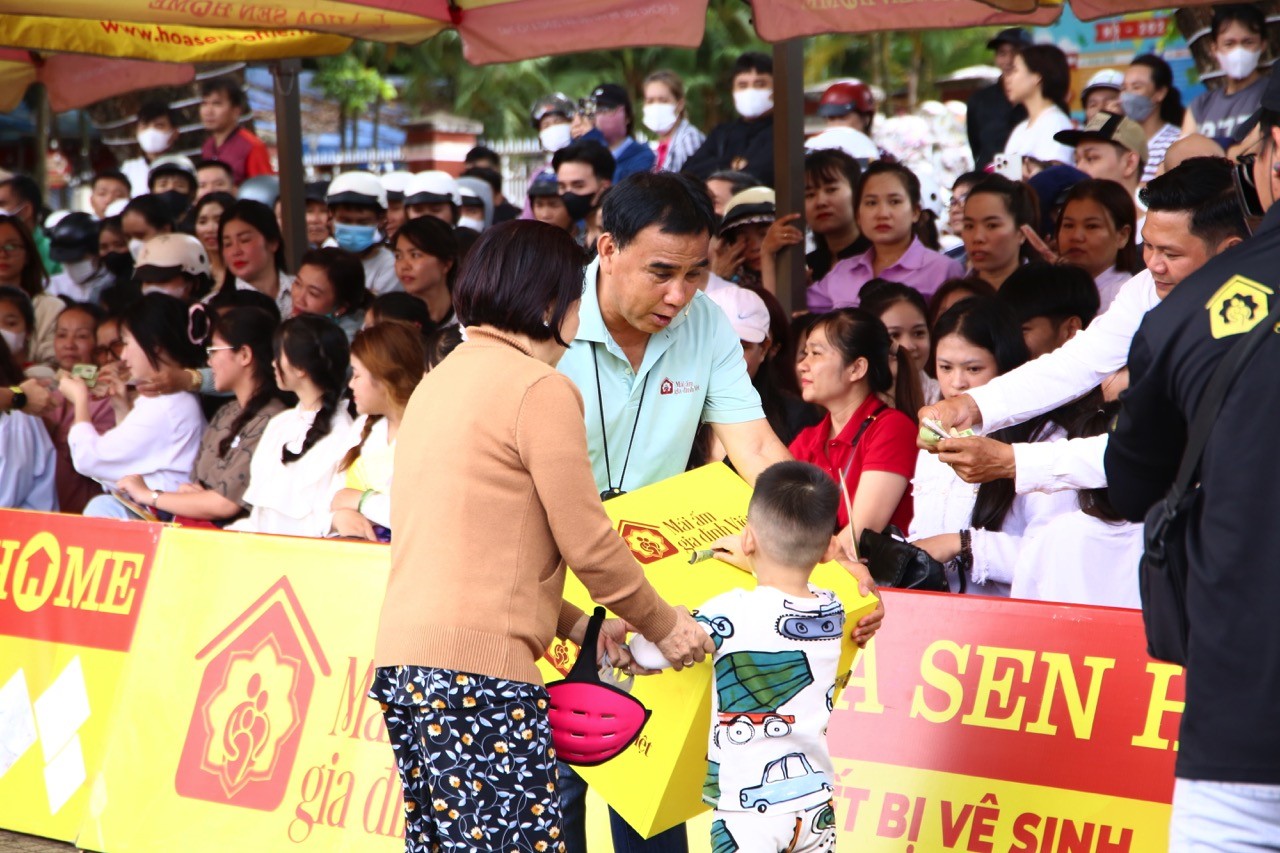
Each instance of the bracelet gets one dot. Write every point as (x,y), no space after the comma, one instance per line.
(364,497)
(966,549)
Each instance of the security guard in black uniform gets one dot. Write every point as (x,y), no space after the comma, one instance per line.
(1228,766)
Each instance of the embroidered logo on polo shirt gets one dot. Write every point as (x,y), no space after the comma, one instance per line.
(678,386)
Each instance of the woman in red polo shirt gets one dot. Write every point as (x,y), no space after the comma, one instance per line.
(863,440)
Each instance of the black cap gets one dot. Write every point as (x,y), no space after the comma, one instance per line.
(610,95)
(1016,36)
(543,187)
(316,191)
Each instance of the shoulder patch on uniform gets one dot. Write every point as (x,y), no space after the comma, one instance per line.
(1238,306)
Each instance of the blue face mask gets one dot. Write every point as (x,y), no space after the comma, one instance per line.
(356,238)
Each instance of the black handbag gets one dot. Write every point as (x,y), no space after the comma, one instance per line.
(895,562)
(1162,574)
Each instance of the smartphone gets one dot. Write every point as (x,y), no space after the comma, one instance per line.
(1008,165)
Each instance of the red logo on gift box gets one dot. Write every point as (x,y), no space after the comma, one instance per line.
(646,542)
(252,703)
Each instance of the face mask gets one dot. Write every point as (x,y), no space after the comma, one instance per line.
(660,117)
(135,248)
(578,205)
(80,271)
(152,140)
(119,264)
(355,238)
(177,202)
(1137,107)
(1239,62)
(15,340)
(555,137)
(471,222)
(612,124)
(753,103)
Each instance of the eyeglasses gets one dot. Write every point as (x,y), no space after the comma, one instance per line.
(11,248)
(211,350)
(959,199)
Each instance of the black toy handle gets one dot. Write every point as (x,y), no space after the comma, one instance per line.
(585,667)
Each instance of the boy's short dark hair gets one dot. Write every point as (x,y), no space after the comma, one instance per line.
(761,63)
(110,175)
(1056,291)
(793,512)
(484,173)
(482,152)
(595,155)
(225,86)
(154,109)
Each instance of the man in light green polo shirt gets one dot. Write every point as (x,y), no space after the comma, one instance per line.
(654,358)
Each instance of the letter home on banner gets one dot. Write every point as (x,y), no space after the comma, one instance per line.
(163,688)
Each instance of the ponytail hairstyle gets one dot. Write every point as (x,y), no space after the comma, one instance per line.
(990,324)
(252,328)
(1171,108)
(1019,200)
(318,347)
(876,297)
(165,328)
(393,354)
(856,334)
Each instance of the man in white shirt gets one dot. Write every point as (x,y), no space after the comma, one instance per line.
(157,134)
(1193,215)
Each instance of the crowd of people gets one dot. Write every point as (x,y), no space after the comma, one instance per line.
(160,359)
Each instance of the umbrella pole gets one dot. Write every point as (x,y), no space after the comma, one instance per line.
(44,117)
(289,151)
(788,161)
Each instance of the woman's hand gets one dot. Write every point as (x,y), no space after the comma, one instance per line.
(168,379)
(580,126)
(1039,245)
(74,389)
(353,525)
(726,257)
(687,644)
(944,548)
(781,234)
(136,488)
(346,499)
(39,397)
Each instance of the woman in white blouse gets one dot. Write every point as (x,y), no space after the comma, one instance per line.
(293,467)
(980,527)
(1039,80)
(160,435)
(386,366)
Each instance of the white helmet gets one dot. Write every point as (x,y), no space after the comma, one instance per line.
(357,188)
(852,142)
(173,251)
(394,183)
(432,187)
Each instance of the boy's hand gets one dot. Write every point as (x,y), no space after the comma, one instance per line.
(729,550)
(869,624)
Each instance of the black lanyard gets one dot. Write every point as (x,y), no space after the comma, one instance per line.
(853,445)
(614,491)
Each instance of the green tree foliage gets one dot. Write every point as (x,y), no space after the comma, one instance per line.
(354,82)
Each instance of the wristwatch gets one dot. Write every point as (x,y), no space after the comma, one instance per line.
(19,401)
(155,497)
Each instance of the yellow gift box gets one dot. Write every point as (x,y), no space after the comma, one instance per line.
(657,783)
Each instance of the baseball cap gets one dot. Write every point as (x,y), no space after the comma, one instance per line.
(316,190)
(746,311)
(165,253)
(432,187)
(1109,127)
(610,95)
(1016,36)
(756,204)
(1107,78)
(357,188)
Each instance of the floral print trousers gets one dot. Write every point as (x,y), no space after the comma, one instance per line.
(475,759)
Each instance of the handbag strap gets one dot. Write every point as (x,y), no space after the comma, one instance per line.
(1224,376)
(853,445)
(585,667)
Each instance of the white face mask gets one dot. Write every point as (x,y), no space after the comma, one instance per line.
(660,117)
(15,340)
(1239,62)
(753,103)
(555,137)
(471,222)
(80,271)
(152,140)
(135,248)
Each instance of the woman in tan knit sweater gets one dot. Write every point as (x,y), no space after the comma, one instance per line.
(492,494)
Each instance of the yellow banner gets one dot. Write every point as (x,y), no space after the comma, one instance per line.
(163,42)
(323,16)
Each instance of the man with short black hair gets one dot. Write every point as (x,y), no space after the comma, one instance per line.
(108,186)
(1052,302)
(157,133)
(1226,794)
(584,170)
(483,157)
(746,143)
(222,105)
(214,176)
(503,210)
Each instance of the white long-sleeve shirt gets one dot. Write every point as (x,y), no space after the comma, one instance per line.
(1072,370)
(1051,466)
(159,439)
(1079,559)
(944,504)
